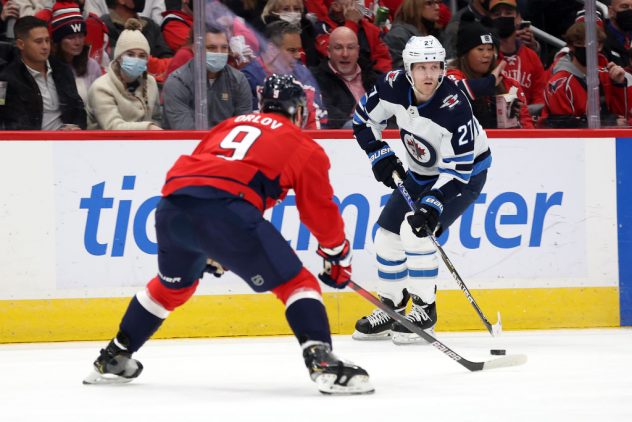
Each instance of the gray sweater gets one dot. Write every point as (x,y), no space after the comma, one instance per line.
(228,96)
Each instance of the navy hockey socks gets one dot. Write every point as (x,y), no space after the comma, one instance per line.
(308,319)
(138,325)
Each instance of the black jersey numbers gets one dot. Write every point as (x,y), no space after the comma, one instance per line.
(240,139)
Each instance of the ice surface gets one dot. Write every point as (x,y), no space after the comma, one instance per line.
(571,375)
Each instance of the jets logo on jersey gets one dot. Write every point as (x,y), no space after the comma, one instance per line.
(391,76)
(419,149)
(450,101)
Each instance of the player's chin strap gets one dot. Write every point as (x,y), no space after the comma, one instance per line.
(495,329)
(439,82)
(510,360)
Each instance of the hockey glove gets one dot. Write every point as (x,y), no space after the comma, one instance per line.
(336,265)
(214,267)
(385,162)
(425,220)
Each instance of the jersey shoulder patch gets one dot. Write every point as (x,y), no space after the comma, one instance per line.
(393,87)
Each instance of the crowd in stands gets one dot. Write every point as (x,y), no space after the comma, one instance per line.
(127,64)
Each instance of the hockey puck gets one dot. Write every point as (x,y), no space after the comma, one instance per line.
(498,351)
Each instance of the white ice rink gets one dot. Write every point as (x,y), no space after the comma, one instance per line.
(571,375)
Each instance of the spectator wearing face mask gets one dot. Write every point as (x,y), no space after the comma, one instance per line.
(126,97)
(523,64)
(293,11)
(618,31)
(565,95)
(228,91)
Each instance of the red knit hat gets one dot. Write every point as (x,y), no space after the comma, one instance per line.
(66,20)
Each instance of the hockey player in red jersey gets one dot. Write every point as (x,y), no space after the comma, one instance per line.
(211,217)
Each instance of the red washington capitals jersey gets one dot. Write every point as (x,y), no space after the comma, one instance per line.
(259,157)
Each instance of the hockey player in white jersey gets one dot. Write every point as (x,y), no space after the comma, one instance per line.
(448,157)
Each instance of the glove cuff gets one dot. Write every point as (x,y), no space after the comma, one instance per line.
(433,201)
(380,154)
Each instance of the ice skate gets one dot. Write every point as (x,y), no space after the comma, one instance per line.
(423,315)
(377,326)
(114,366)
(332,375)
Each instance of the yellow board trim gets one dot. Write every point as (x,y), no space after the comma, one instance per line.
(24,321)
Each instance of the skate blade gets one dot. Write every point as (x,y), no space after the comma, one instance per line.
(97,378)
(385,335)
(359,384)
(403,339)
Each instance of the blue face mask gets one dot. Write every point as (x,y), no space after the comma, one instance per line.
(133,67)
(216,61)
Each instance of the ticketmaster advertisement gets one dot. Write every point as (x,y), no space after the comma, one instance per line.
(545,217)
(77,217)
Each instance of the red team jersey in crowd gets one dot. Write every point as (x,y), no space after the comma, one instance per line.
(259,157)
(526,67)
(566,95)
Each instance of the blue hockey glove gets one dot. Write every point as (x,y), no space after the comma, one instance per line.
(336,265)
(385,162)
(425,220)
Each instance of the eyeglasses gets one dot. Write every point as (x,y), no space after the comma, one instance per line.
(430,3)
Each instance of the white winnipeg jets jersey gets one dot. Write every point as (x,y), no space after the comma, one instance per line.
(442,137)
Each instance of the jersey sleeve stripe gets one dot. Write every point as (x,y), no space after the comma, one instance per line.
(459,159)
(465,177)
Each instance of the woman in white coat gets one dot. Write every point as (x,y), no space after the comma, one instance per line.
(126,97)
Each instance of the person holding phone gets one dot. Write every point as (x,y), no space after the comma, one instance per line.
(523,63)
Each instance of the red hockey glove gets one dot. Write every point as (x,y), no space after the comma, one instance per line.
(336,265)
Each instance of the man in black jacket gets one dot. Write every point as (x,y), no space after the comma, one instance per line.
(341,79)
(41,91)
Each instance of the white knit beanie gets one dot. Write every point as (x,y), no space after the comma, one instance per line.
(131,38)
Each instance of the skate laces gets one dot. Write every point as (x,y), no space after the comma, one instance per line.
(378,317)
(418,314)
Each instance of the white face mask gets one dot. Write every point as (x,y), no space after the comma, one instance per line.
(290,17)
(216,61)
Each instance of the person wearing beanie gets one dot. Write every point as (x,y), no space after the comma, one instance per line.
(68,29)
(476,10)
(96,33)
(41,92)
(126,97)
(476,66)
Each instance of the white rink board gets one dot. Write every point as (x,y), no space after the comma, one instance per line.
(51,251)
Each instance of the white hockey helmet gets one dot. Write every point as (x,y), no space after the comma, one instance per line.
(420,50)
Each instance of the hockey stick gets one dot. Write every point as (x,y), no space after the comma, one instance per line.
(505,361)
(495,329)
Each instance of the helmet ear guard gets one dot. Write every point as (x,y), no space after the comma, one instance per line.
(423,50)
(282,94)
